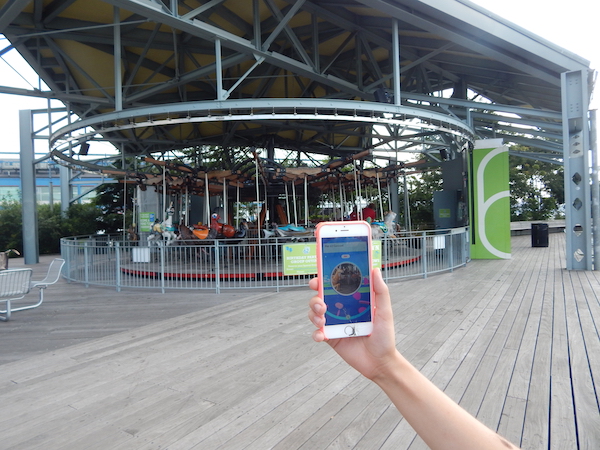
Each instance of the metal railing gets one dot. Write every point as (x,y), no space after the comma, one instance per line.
(107,260)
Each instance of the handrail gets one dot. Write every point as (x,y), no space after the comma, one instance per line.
(113,261)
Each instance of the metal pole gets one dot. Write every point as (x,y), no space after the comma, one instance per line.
(219,64)
(164,195)
(407,221)
(217,267)
(31,249)
(117,58)
(382,214)
(118,266)
(206,198)
(396,62)
(295,206)
(305,201)
(162,266)
(225,212)
(423,239)
(87,262)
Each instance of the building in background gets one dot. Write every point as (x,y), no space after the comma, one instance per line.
(47,183)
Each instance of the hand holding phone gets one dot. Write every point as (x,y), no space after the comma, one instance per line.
(344,263)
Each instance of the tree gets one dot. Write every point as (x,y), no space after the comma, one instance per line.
(111,202)
(11,235)
(82,219)
(536,188)
(420,192)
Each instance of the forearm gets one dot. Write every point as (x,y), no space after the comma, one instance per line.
(440,422)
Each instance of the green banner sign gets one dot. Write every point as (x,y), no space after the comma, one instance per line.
(146,221)
(445,213)
(491,201)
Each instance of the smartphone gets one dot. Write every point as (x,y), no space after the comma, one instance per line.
(344,268)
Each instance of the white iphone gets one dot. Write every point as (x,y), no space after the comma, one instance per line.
(344,263)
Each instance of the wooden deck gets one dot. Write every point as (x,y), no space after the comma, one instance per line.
(516,342)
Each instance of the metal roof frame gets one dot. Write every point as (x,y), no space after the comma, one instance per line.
(452,60)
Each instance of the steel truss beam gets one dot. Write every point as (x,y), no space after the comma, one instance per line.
(283,111)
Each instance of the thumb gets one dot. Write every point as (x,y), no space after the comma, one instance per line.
(382,294)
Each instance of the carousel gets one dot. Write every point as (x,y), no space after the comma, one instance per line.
(235,223)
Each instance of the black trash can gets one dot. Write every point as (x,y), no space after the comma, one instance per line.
(539,235)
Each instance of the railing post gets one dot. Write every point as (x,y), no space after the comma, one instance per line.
(464,246)
(162,266)
(118,266)
(66,254)
(451,251)
(385,256)
(86,265)
(217,268)
(424,252)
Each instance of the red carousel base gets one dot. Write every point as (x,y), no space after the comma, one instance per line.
(229,272)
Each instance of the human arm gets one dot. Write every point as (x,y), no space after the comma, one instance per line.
(440,422)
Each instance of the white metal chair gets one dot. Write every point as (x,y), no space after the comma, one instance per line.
(52,277)
(14,285)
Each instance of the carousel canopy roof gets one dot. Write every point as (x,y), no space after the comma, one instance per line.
(313,76)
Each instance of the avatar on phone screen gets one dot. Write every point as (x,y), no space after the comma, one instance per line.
(346,279)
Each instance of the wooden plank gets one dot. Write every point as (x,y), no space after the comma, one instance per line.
(388,421)
(535,430)
(526,342)
(510,344)
(585,405)
(563,433)
(590,323)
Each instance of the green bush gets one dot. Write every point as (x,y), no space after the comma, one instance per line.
(52,225)
(11,235)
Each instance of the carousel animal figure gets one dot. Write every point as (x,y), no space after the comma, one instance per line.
(222,232)
(238,246)
(132,233)
(186,236)
(386,228)
(164,229)
(242,230)
(289,232)
(219,230)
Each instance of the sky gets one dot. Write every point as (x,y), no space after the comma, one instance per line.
(567,24)
(573,25)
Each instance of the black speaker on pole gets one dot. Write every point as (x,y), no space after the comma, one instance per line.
(83,150)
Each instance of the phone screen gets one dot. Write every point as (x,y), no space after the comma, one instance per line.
(346,279)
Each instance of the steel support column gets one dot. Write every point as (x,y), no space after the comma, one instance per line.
(65,188)
(28,198)
(595,187)
(396,62)
(117,59)
(575,102)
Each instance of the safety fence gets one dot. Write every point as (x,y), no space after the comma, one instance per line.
(107,260)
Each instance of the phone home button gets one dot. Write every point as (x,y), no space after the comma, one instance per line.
(350,331)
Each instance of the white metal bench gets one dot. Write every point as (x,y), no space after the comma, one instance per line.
(16,283)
